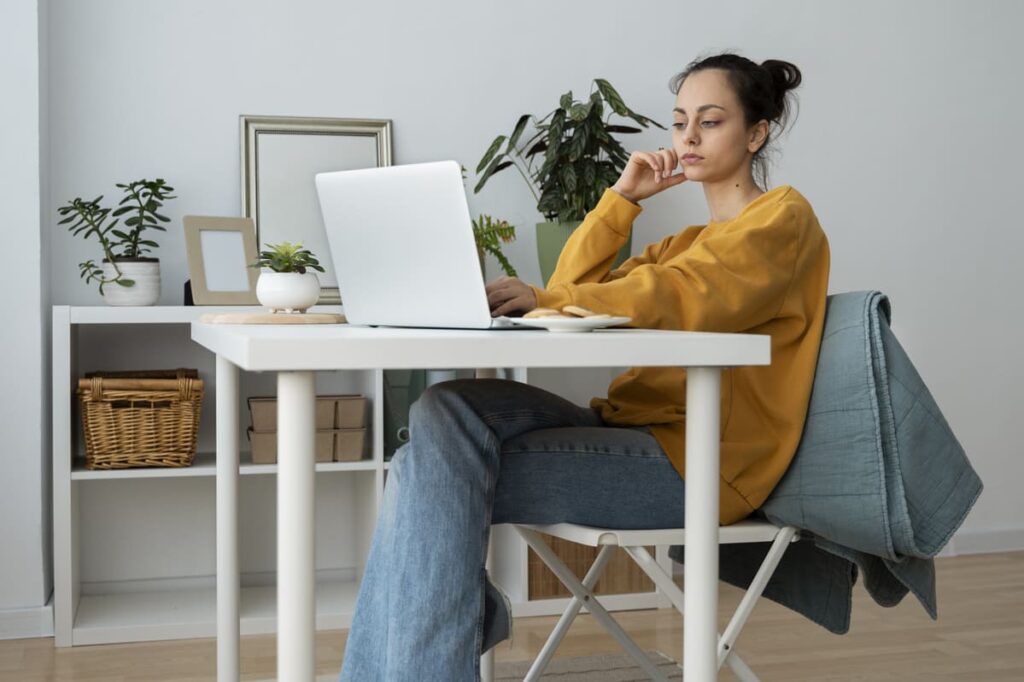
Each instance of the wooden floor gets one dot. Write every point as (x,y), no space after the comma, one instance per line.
(979,637)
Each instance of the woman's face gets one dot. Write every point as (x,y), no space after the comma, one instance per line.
(709,133)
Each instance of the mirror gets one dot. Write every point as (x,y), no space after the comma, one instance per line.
(280,157)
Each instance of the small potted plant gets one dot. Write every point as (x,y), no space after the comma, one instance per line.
(490,234)
(287,287)
(136,276)
(581,159)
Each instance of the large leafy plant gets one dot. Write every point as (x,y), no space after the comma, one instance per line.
(581,157)
(141,204)
(287,257)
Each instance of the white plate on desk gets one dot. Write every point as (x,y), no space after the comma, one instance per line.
(569,324)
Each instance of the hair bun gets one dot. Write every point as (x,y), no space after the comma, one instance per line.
(785,77)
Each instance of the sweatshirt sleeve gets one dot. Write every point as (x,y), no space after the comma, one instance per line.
(735,276)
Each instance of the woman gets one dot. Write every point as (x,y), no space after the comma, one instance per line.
(487,451)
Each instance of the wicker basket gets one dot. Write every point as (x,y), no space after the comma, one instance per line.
(140,419)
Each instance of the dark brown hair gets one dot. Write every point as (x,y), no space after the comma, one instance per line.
(764,92)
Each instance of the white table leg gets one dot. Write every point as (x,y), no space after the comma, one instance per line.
(700,571)
(227,521)
(296,467)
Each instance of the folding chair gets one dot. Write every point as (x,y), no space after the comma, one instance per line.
(634,542)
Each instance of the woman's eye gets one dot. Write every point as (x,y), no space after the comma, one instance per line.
(709,124)
(679,125)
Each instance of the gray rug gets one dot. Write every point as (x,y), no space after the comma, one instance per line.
(608,668)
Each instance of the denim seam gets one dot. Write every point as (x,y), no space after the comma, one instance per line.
(491,444)
(578,451)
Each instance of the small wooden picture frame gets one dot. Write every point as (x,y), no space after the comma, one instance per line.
(220,251)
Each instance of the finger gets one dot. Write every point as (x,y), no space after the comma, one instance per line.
(669,161)
(495,298)
(673,180)
(511,306)
(496,283)
(652,161)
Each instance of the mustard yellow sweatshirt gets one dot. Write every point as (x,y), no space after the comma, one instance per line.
(763,272)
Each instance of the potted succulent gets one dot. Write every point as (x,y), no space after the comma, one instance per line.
(124,263)
(581,159)
(287,287)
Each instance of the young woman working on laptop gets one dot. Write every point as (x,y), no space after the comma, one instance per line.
(491,451)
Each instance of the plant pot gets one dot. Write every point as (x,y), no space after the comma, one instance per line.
(145,272)
(290,292)
(551,239)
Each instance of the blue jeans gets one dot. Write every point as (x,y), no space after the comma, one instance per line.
(486,451)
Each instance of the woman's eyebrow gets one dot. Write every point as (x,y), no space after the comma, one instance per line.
(703,107)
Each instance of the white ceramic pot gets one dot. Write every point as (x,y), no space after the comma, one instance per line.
(290,292)
(145,274)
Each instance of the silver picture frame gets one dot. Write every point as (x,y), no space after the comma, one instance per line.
(280,157)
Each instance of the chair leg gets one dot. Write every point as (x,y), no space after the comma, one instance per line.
(568,616)
(727,642)
(665,583)
(740,668)
(602,616)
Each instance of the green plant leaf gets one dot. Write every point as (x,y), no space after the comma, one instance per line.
(578,112)
(125,282)
(496,165)
(537,148)
(566,101)
(622,129)
(568,176)
(578,144)
(612,97)
(489,154)
(517,133)
(556,129)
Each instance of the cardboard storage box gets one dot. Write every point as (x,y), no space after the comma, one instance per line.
(350,412)
(264,446)
(332,412)
(349,444)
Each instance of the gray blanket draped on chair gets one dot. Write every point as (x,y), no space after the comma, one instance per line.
(879,481)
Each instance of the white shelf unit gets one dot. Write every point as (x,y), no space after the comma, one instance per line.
(160,603)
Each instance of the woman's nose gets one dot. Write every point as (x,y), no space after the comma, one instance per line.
(690,135)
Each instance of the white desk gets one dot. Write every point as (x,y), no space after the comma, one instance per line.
(296,352)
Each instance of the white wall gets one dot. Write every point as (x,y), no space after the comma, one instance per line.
(905,145)
(25,579)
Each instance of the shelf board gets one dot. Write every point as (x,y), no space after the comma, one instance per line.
(204,464)
(162,314)
(192,612)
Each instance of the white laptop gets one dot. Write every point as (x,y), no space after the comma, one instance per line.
(402,245)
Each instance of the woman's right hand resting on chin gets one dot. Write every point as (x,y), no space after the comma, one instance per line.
(648,173)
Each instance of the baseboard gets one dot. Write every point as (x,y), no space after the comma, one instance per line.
(24,623)
(988,541)
(252,579)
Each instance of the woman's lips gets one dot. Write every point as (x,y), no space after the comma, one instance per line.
(692,158)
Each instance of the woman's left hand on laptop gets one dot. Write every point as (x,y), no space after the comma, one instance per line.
(510,296)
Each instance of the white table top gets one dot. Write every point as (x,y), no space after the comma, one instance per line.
(327,347)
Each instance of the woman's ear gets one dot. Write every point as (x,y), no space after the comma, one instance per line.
(758,134)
